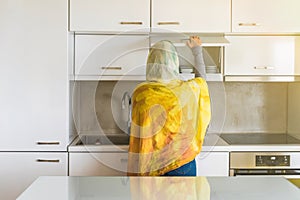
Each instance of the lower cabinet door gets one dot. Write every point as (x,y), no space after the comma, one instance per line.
(98,164)
(213,164)
(18,170)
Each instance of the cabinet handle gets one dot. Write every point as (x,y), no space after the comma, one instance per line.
(168,23)
(48,160)
(47,143)
(131,23)
(111,68)
(123,160)
(248,24)
(263,67)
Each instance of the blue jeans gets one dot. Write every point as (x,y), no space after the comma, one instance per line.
(188,169)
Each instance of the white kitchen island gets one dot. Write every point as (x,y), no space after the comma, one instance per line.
(113,188)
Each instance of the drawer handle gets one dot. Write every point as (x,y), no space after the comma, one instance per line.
(47,143)
(264,67)
(48,160)
(248,24)
(123,160)
(111,68)
(131,23)
(168,23)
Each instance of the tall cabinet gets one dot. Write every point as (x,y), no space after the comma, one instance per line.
(34,92)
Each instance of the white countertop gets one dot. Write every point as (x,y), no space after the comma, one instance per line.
(113,188)
(212,142)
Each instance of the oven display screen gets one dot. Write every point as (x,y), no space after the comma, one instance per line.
(275,160)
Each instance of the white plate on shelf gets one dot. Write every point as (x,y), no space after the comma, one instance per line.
(186,70)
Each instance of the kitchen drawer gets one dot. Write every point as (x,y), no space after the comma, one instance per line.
(98,164)
(107,55)
(19,169)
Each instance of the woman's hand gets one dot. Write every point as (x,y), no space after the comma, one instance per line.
(194,41)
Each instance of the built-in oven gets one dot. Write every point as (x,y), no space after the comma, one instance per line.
(286,164)
(268,163)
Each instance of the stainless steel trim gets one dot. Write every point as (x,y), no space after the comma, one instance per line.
(289,174)
(48,160)
(168,23)
(111,68)
(249,24)
(266,172)
(96,148)
(47,143)
(246,160)
(131,23)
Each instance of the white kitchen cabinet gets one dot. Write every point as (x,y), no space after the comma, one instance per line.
(33,75)
(115,164)
(18,170)
(265,16)
(109,15)
(111,55)
(191,16)
(98,164)
(213,164)
(262,55)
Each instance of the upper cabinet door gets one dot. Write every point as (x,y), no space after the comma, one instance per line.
(109,15)
(191,15)
(265,16)
(34,75)
(262,55)
(111,55)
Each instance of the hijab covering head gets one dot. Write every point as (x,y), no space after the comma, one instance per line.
(162,63)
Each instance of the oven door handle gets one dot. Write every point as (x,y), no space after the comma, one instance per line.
(264,172)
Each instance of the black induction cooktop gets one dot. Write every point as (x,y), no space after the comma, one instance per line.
(259,138)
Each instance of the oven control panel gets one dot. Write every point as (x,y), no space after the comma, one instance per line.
(272,160)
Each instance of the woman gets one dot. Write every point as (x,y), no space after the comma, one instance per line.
(169,116)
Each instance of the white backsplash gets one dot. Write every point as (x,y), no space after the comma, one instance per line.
(236,107)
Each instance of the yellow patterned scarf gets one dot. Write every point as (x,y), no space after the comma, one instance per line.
(169,122)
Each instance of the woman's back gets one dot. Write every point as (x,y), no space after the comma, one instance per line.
(169,121)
